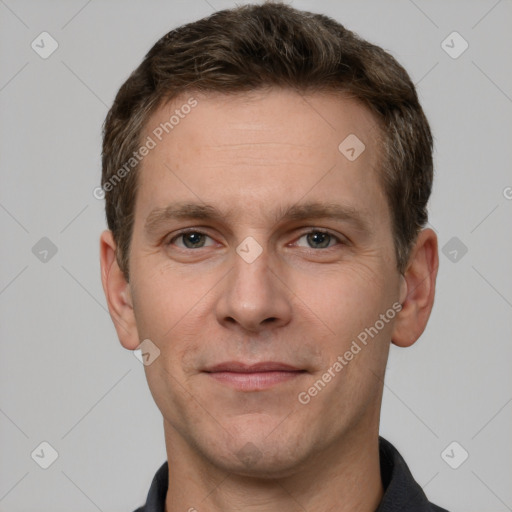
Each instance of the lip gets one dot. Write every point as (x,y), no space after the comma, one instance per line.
(239,367)
(255,377)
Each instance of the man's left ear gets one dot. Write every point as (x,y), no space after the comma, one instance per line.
(419,284)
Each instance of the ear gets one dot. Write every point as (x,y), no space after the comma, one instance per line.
(417,290)
(118,293)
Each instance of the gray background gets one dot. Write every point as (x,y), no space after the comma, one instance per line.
(64,377)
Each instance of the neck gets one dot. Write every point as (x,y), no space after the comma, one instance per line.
(343,478)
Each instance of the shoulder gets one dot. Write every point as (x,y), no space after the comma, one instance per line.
(155,501)
(401,491)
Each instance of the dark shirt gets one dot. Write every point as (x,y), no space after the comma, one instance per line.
(401,492)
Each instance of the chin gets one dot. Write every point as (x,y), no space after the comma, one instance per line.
(251,462)
(260,455)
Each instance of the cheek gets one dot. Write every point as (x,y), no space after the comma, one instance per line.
(163,299)
(350,303)
(168,310)
(345,298)
(156,312)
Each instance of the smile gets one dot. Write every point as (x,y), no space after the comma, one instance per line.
(253,377)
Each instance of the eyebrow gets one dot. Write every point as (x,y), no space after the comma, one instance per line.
(159,217)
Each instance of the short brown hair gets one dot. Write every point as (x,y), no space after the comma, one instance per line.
(259,46)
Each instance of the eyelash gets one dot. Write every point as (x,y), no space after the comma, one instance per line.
(311,231)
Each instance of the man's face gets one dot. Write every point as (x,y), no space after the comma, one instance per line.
(211,298)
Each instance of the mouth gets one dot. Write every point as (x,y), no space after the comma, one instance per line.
(256,377)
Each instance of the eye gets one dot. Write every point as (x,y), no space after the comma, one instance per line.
(191,240)
(319,239)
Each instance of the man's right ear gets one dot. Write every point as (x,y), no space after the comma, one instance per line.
(118,293)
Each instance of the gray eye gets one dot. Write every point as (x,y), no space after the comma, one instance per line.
(191,240)
(318,239)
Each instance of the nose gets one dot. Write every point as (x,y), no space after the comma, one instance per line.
(254,297)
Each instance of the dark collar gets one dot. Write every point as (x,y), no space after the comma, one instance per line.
(401,492)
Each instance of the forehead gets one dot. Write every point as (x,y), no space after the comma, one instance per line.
(261,149)
(263,115)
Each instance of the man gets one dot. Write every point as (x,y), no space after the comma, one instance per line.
(267,175)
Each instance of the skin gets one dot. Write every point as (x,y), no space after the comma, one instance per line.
(301,302)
